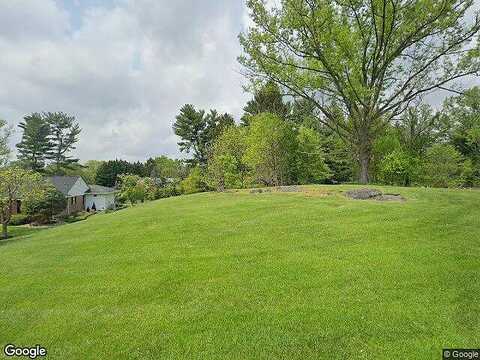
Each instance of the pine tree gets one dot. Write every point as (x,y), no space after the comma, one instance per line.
(35,147)
(64,133)
(267,99)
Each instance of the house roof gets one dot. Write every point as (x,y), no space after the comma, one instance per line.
(63,183)
(97,189)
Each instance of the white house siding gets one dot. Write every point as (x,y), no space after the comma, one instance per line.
(102,201)
(80,188)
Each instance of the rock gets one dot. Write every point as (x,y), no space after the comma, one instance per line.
(291,188)
(390,197)
(363,194)
(373,194)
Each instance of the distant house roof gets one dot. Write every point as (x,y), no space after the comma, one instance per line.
(97,189)
(64,183)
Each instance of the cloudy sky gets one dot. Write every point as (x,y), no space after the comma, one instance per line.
(122,67)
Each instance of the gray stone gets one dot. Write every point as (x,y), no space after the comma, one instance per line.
(363,194)
(291,188)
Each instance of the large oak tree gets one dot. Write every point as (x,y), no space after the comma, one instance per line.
(361,63)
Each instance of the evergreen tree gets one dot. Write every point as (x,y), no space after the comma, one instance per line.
(198,131)
(35,147)
(64,132)
(108,172)
(267,99)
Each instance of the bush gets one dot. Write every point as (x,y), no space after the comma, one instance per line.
(19,219)
(470,174)
(442,166)
(132,188)
(398,168)
(194,182)
(42,210)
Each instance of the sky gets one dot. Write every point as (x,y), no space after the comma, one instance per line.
(123,68)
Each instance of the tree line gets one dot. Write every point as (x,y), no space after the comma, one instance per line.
(281,142)
(361,64)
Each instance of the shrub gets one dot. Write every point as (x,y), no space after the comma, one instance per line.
(194,182)
(470,174)
(132,189)
(225,167)
(43,209)
(310,163)
(442,166)
(398,168)
(19,219)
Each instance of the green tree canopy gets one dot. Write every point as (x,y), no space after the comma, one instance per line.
(442,166)
(267,99)
(5,132)
(198,131)
(64,134)
(463,113)
(270,150)
(35,147)
(368,59)
(226,169)
(311,167)
(15,184)
(108,172)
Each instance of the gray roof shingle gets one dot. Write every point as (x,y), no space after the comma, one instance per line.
(97,189)
(63,183)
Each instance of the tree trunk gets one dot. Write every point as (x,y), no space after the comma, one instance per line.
(4,231)
(364,162)
(221,185)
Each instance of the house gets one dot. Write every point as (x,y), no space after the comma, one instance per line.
(99,198)
(81,196)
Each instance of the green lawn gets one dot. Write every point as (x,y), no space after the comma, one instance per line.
(252,276)
(22,231)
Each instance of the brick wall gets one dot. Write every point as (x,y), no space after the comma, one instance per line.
(75,204)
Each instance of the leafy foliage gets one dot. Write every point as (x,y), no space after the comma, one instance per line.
(270,150)
(267,99)
(398,168)
(442,166)
(198,131)
(5,132)
(108,172)
(132,188)
(226,169)
(17,183)
(311,166)
(365,60)
(42,209)
(194,182)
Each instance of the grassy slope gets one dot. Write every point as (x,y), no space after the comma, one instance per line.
(240,276)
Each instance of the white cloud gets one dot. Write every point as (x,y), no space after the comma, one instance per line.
(124,71)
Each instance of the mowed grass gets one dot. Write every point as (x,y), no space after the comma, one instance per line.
(252,276)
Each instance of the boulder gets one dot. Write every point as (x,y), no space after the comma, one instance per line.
(363,194)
